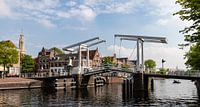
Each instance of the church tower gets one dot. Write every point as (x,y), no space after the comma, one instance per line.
(21,44)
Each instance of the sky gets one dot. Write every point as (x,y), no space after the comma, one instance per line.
(59,23)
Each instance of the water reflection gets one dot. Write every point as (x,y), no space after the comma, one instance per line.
(165,94)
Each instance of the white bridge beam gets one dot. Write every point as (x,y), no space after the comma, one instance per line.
(140,52)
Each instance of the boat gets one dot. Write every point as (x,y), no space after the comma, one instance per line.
(176,82)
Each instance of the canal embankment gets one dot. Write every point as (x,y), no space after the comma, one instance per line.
(18,83)
(9,83)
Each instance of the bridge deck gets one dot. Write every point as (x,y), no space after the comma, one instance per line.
(111,69)
(101,71)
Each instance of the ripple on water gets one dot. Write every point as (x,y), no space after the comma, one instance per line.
(165,94)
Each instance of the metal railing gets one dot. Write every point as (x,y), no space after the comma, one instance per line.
(191,73)
(44,74)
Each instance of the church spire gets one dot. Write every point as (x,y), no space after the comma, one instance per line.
(21,43)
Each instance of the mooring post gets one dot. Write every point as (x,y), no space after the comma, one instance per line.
(65,86)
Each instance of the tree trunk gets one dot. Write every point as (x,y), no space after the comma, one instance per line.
(4,67)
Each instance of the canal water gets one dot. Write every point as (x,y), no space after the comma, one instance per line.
(165,94)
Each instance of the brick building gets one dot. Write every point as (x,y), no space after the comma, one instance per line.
(50,61)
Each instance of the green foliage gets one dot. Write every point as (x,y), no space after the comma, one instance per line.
(193,57)
(162,71)
(28,64)
(8,54)
(57,50)
(125,66)
(150,64)
(108,60)
(190,12)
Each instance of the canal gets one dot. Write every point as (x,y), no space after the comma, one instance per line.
(165,94)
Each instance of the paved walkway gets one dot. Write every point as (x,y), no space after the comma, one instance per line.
(18,83)
(15,80)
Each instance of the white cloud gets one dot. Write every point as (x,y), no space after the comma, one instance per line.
(81,28)
(83,12)
(162,21)
(63,14)
(87,13)
(46,23)
(71,3)
(86,10)
(4,9)
(172,55)
(163,10)
(163,7)
(173,21)
(123,7)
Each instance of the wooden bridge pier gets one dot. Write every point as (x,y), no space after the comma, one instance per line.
(76,79)
(148,83)
(48,84)
(80,81)
(136,87)
(197,83)
(139,82)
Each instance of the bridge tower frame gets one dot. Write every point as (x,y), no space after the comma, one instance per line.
(139,83)
(78,47)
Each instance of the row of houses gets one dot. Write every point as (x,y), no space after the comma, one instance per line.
(49,60)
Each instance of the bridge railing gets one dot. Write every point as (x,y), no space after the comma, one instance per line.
(94,69)
(195,73)
(44,74)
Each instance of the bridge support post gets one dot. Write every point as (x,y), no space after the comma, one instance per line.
(77,79)
(48,84)
(197,83)
(148,83)
(138,84)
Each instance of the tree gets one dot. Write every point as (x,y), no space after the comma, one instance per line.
(150,64)
(57,50)
(8,54)
(190,12)
(108,60)
(162,71)
(193,57)
(28,64)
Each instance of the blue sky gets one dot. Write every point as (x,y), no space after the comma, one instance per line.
(48,23)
